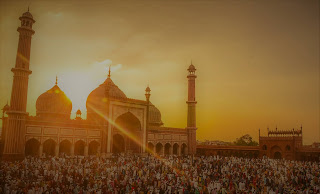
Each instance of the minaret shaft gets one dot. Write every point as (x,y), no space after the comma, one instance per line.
(14,140)
(191,120)
(191,101)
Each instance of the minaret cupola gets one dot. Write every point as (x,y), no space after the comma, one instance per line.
(27,21)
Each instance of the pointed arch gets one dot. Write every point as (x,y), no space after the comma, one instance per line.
(276,152)
(150,147)
(167,148)
(277,155)
(175,149)
(79,148)
(159,148)
(65,147)
(32,147)
(129,126)
(184,150)
(49,147)
(93,147)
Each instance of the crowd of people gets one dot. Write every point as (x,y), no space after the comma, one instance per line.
(137,174)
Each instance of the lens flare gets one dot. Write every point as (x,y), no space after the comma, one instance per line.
(24,59)
(126,133)
(133,138)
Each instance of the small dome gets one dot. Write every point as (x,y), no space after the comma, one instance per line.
(27,14)
(78,112)
(148,89)
(98,97)
(191,68)
(54,103)
(154,116)
(6,108)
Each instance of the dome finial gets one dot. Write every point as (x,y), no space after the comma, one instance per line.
(191,68)
(56,80)
(148,93)
(109,75)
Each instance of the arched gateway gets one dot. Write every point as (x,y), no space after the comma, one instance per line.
(32,147)
(128,134)
(277,155)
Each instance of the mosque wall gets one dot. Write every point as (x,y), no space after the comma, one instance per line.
(62,133)
(167,141)
(167,137)
(53,138)
(278,147)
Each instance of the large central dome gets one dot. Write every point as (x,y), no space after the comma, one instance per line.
(54,104)
(97,99)
(106,90)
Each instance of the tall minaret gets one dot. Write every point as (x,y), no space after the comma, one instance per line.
(14,141)
(191,123)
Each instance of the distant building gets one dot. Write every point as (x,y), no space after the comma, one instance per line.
(215,142)
(114,124)
(279,144)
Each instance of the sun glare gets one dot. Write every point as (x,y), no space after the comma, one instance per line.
(77,86)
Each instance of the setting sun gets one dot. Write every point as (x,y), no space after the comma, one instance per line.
(144,97)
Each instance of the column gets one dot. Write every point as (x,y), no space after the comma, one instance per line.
(86,150)
(99,150)
(57,150)
(171,150)
(109,139)
(179,150)
(72,150)
(40,150)
(109,128)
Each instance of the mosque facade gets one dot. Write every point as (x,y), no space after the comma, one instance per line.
(114,124)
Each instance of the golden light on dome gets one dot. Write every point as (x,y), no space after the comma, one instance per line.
(54,102)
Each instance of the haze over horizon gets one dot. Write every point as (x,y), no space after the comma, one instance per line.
(257,61)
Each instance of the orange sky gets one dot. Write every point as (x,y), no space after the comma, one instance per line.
(257,61)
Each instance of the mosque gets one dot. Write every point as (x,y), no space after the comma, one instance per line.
(114,124)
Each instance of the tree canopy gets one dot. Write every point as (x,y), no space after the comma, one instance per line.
(245,140)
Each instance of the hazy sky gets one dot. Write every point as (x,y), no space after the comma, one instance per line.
(257,61)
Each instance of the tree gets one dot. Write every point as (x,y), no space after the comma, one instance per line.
(245,140)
